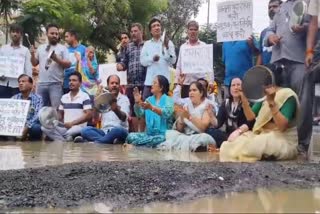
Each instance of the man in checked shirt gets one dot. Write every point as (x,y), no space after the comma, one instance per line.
(131,62)
(32,129)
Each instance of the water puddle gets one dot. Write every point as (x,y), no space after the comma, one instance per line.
(25,155)
(261,201)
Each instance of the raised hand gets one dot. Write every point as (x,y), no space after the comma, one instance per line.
(137,95)
(181,79)
(270,93)
(274,39)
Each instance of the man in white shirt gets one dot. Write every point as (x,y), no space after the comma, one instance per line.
(75,111)
(193,40)
(115,121)
(9,85)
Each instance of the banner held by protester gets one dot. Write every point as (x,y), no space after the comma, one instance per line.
(197,59)
(234,20)
(13,116)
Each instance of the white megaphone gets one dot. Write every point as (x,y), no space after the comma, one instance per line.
(102,101)
(49,60)
(48,118)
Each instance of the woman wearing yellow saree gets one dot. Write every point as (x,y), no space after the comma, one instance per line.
(274,134)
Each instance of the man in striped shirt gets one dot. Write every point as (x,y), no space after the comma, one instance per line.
(75,111)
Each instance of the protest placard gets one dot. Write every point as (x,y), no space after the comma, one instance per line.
(234,20)
(11,65)
(105,70)
(13,116)
(197,59)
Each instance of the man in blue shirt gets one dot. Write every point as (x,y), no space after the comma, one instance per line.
(264,57)
(238,58)
(32,129)
(72,39)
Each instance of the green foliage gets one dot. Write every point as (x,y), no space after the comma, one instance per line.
(6,8)
(37,13)
(99,22)
(142,11)
(177,16)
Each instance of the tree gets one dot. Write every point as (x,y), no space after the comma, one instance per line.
(38,13)
(177,16)
(142,11)
(99,22)
(6,8)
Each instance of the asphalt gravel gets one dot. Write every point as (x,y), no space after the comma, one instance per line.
(136,183)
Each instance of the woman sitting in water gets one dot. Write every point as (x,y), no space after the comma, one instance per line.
(230,114)
(158,113)
(193,120)
(274,134)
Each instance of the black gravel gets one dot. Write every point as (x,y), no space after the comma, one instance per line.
(132,184)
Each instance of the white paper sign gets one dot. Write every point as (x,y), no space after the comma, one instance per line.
(105,70)
(197,59)
(12,65)
(13,116)
(234,20)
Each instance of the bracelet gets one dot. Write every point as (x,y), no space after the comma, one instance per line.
(310,52)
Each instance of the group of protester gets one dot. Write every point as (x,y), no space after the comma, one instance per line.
(190,119)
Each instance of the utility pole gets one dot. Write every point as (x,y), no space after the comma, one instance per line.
(208,17)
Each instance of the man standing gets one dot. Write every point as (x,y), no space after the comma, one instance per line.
(9,85)
(288,52)
(75,111)
(237,57)
(124,42)
(157,54)
(136,73)
(266,52)
(312,57)
(72,39)
(114,122)
(52,58)
(193,40)
(32,129)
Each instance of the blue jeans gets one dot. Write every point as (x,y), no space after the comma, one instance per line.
(99,136)
(51,93)
(35,132)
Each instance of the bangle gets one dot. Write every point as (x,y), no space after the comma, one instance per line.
(310,52)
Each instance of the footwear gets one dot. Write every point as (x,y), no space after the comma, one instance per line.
(78,139)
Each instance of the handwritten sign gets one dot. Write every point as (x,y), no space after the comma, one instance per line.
(234,20)
(197,59)
(105,70)
(11,65)
(13,116)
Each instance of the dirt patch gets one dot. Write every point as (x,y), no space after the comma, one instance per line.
(136,183)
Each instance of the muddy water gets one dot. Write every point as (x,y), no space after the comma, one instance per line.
(261,201)
(25,155)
